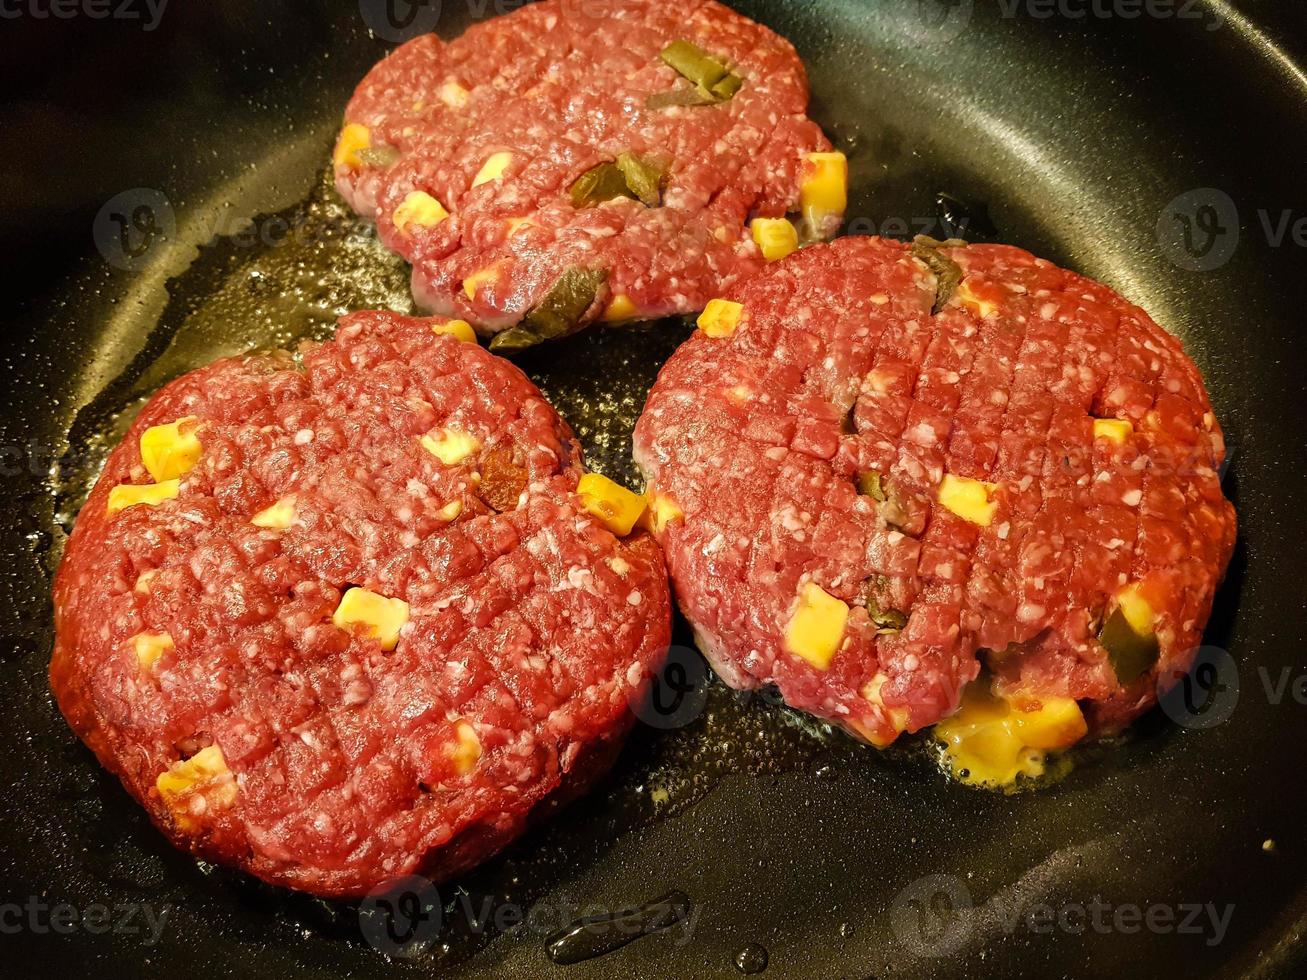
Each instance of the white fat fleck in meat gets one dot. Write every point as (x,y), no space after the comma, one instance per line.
(303,437)
(1131,498)
(1030,612)
(619,565)
(635,598)
(356,693)
(715,545)
(580,578)
(923,434)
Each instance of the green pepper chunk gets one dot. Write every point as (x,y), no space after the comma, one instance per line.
(559,313)
(694,63)
(1130,654)
(643,178)
(605,182)
(869,485)
(948,274)
(886,619)
(712,82)
(725,90)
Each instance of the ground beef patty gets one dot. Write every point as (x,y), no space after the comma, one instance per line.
(862,501)
(474,158)
(368,625)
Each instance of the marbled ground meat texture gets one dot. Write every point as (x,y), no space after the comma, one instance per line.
(838,368)
(530,627)
(562,86)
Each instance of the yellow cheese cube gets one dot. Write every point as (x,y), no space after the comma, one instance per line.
(418,208)
(990,741)
(465,750)
(1117,430)
(145,582)
(450,511)
(172,450)
(203,775)
(450,446)
(454,95)
(149,647)
(353,138)
(776,237)
(981,299)
(970,499)
(380,617)
(1048,723)
(824,190)
(150,494)
(478,279)
(457,328)
(720,317)
(816,627)
(662,510)
(616,507)
(493,168)
(897,717)
(277,517)
(1138,611)
(622,307)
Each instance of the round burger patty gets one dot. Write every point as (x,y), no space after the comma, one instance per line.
(552,166)
(906,462)
(339,618)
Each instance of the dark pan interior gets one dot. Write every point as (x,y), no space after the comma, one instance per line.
(1077,134)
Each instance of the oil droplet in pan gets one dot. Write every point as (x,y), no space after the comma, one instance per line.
(751,959)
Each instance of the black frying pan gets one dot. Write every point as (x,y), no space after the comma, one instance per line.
(1133,146)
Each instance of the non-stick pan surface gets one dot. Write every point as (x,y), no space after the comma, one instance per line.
(162,202)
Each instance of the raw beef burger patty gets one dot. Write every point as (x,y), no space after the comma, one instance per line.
(862,501)
(361,624)
(535,176)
